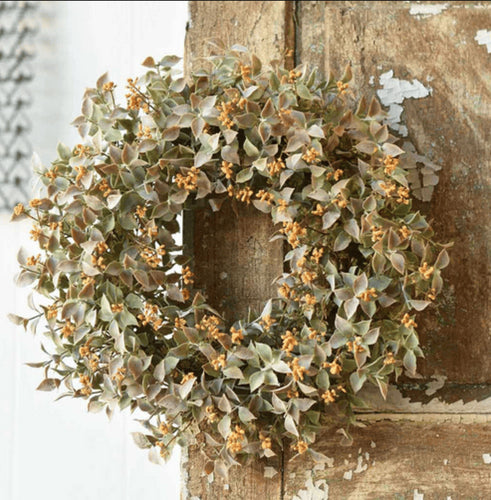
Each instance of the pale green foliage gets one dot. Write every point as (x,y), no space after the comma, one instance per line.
(129,330)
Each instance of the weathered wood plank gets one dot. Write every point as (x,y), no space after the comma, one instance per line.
(234,261)
(453,124)
(392,460)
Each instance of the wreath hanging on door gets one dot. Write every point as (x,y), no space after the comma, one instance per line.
(124,325)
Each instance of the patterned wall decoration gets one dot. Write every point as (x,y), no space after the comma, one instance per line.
(18,28)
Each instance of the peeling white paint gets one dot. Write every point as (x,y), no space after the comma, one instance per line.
(436,384)
(445,461)
(348,475)
(393,93)
(395,403)
(360,466)
(373,444)
(418,496)
(483,37)
(426,10)
(371,80)
(318,490)
(486,458)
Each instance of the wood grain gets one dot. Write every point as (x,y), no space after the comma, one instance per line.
(453,125)
(392,460)
(437,454)
(234,261)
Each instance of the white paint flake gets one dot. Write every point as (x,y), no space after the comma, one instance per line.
(393,93)
(318,490)
(435,385)
(483,37)
(418,496)
(486,458)
(445,461)
(348,475)
(426,10)
(371,80)
(360,466)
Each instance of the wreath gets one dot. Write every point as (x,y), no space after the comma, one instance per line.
(125,327)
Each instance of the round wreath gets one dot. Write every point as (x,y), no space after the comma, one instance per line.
(124,323)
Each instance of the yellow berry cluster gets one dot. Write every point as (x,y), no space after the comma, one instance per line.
(300,447)
(298,371)
(81,172)
(426,271)
(235,439)
(218,362)
(276,166)
(68,329)
(368,294)
(390,164)
(334,368)
(237,335)
(210,324)
(408,322)
(342,87)
(188,181)
(86,389)
(227,169)
(355,345)
(311,155)
(150,316)
(227,108)
(289,342)
(104,187)
(294,232)
(135,98)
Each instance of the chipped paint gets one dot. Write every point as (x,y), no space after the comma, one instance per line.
(314,490)
(435,385)
(426,10)
(393,93)
(418,496)
(472,411)
(486,458)
(483,37)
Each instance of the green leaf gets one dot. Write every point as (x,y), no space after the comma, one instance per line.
(330,217)
(256,380)
(48,384)
(398,262)
(141,440)
(250,149)
(245,415)
(264,351)
(224,426)
(233,372)
(409,362)
(357,381)
(244,175)
(342,241)
(290,426)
